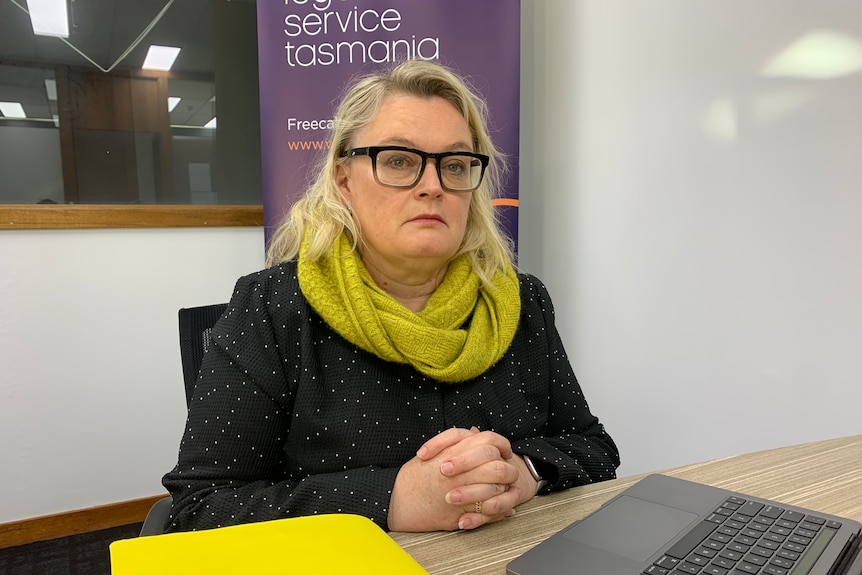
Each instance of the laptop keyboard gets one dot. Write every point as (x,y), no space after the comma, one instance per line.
(748,538)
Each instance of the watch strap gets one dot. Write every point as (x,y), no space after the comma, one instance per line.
(531,467)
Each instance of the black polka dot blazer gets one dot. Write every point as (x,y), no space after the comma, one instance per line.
(288,418)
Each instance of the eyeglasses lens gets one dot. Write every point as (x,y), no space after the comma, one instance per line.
(401,168)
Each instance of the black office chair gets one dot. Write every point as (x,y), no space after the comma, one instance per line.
(196,323)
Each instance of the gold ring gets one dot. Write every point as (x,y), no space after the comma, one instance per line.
(478,507)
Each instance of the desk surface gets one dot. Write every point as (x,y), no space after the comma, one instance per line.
(825,476)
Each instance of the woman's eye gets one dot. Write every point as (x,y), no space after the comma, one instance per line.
(455,167)
(399,162)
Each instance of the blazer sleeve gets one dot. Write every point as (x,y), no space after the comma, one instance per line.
(574,447)
(231,461)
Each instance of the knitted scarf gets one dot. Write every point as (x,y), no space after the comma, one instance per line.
(464,329)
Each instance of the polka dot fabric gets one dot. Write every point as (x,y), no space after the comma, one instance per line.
(290,419)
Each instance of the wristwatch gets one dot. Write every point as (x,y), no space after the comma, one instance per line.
(540,483)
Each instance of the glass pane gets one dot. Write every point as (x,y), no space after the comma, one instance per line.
(81,120)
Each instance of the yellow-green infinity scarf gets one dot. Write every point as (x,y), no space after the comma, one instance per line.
(439,341)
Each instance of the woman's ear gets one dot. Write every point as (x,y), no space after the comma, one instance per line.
(342,180)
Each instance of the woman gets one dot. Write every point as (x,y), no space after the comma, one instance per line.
(390,362)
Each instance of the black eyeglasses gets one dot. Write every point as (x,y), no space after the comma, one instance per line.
(400,167)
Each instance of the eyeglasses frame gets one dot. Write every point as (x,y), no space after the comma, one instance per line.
(373,151)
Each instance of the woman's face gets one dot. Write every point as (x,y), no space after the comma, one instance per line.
(422,227)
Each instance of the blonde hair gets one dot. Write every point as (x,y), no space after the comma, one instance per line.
(321,209)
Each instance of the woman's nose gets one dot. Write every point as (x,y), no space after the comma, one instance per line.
(430,182)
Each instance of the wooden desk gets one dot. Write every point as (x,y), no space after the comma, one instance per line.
(825,476)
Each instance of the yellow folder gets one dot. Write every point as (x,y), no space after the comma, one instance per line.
(319,544)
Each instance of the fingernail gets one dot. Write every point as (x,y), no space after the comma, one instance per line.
(453,498)
(422,451)
(464,524)
(447,468)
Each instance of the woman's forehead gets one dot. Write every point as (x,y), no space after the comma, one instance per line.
(405,120)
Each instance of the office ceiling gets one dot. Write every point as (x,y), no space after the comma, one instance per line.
(101,32)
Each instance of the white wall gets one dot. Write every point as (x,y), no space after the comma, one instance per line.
(91,392)
(698,271)
(697,223)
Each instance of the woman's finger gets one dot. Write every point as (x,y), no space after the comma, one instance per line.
(466,496)
(490,438)
(500,504)
(473,458)
(480,466)
(473,520)
(442,440)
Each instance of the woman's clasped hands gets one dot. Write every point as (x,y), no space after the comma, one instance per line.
(459,479)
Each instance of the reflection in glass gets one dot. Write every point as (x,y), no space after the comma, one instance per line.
(85,123)
(818,54)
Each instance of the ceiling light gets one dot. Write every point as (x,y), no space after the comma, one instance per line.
(14,110)
(172,103)
(49,17)
(51,89)
(211,123)
(817,55)
(160,57)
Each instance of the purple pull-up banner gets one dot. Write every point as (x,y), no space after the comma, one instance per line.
(309,50)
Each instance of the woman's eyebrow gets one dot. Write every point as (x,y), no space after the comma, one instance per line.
(399,141)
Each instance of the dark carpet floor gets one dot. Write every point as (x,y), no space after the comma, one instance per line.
(85,554)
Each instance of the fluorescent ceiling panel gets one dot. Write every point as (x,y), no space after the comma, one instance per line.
(818,55)
(49,17)
(13,110)
(51,89)
(211,123)
(172,103)
(160,57)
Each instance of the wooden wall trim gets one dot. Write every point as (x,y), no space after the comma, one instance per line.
(75,522)
(65,216)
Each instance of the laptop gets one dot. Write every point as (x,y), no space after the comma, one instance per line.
(663,525)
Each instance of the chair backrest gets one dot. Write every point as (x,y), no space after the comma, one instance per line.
(196,323)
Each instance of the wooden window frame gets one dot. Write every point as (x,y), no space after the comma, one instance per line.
(79,216)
